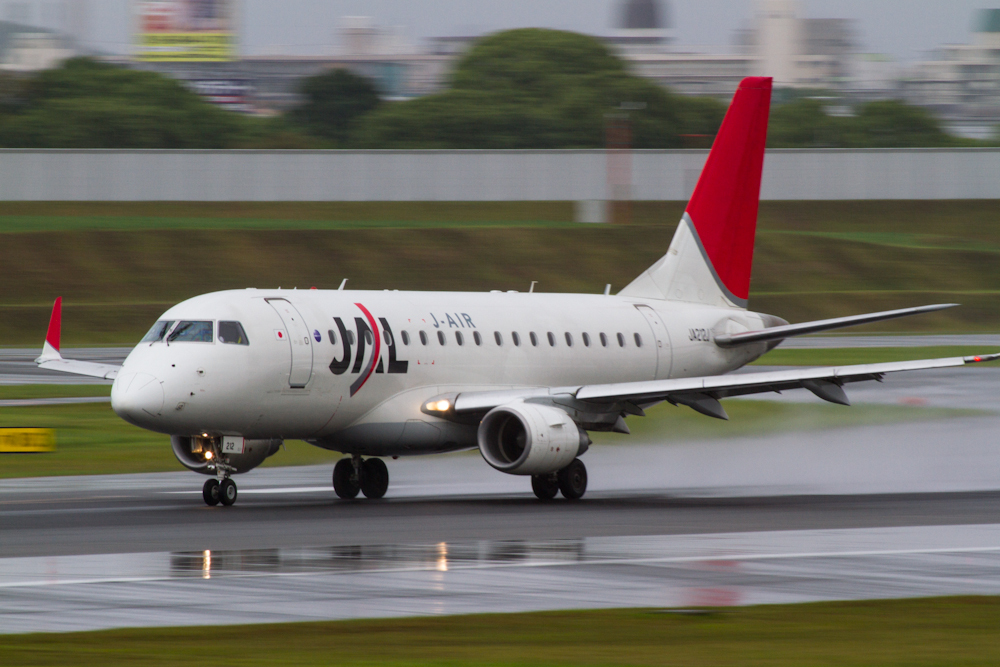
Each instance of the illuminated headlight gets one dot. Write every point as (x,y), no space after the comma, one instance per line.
(208,456)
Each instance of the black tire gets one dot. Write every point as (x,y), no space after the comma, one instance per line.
(573,480)
(227,492)
(374,478)
(344,483)
(546,487)
(210,492)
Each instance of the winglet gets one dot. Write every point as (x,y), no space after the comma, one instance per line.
(50,350)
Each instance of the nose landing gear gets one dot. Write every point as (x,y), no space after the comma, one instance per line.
(354,475)
(222,489)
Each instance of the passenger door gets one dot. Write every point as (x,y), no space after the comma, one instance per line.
(299,340)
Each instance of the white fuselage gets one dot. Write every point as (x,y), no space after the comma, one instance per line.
(309,370)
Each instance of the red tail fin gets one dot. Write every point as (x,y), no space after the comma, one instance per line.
(55,324)
(723,207)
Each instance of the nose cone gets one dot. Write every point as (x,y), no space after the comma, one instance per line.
(137,398)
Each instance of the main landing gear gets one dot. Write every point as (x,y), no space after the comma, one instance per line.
(353,475)
(216,491)
(571,481)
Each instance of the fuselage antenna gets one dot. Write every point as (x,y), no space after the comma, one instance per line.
(532,288)
(607,290)
(343,283)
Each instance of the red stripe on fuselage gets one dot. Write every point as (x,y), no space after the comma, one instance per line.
(375,353)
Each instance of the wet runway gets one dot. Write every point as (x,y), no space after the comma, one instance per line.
(308,584)
(894,510)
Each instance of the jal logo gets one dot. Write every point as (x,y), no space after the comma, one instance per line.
(366,334)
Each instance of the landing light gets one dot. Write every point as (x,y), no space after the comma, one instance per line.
(439,406)
(208,456)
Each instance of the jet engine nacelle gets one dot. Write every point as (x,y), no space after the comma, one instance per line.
(530,439)
(191,450)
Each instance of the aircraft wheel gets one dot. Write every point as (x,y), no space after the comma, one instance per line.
(573,480)
(344,483)
(227,492)
(374,478)
(210,492)
(545,486)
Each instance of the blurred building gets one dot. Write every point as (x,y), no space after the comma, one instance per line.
(25,48)
(962,83)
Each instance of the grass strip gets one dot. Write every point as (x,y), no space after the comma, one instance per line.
(845,356)
(92,440)
(884,633)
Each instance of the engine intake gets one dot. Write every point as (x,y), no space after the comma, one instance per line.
(529,439)
(190,451)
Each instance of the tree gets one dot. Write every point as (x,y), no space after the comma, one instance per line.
(535,88)
(334,100)
(86,104)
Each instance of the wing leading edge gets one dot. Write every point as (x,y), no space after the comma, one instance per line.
(51,359)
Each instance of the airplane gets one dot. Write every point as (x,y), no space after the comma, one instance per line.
(522,376)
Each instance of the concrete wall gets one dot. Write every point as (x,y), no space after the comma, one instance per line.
(108,175)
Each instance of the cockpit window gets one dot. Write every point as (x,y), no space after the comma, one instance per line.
(232,333)
(191,332)
(158,331)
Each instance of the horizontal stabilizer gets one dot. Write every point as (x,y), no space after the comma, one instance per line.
(790,330)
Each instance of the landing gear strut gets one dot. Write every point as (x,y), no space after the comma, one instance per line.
(354,475)
(571,481)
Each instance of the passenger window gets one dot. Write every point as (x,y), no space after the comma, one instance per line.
(332,336)
(369,339)
(604,340)
(586,339)
(232,333)
(405,336)
(387,337)
(498,338)
(441,338)
(477,338)
(516,338)
(552,339)
(192,332)
(534,338)
(159,330)
(638,340)
(459,338)
(423,338)
(621,340)
(569,339)
(351,338)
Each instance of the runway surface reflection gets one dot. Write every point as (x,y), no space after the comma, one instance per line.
(305,584)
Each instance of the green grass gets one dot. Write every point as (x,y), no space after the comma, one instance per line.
(91,439)
(119,265)
(922,632)
(844,356)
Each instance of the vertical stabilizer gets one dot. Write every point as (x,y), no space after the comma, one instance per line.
(50,348)
(711,255)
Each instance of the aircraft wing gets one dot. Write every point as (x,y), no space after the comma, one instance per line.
(52,360)
(700,393)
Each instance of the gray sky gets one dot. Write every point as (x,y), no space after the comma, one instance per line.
(905,29)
